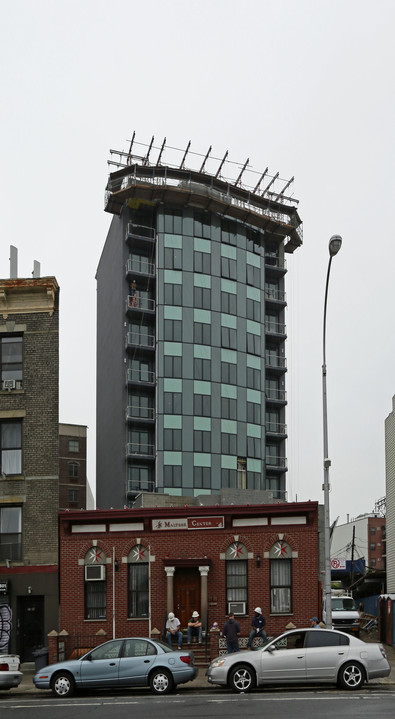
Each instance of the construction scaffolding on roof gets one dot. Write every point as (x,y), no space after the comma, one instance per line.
(161,173)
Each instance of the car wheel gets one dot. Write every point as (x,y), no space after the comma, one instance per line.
(161,681)
(242,679)
(351,676)
(63,685)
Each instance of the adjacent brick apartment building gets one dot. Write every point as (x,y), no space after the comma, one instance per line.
(72,466)
(29,451)
(145,562)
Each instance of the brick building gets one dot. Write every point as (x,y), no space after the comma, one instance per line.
(362,538)
(72,466)
(146,562)
(29,450)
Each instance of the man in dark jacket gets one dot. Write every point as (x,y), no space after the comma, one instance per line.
(231,633)
(258,627)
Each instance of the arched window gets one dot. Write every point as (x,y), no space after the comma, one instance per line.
(236,578)
(280,557)
(95,583)
(138,560)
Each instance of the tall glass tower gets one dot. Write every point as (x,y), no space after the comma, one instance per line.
(191,365)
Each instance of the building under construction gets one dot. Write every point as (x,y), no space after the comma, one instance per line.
(191,364)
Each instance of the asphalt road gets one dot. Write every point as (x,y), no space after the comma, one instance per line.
(283,705)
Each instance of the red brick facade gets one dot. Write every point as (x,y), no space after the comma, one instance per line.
(199,552)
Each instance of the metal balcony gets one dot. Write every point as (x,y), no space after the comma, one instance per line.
(275,266)
(137,339)
(135,486)
(140,304)
(276,463)
(277,297)
(141,232)
(276,429)
(278,396)
(276,363)
(275,329)
(138,449)
(140,376)
(138,412)
(141,266)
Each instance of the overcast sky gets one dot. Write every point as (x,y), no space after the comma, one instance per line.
(304,87)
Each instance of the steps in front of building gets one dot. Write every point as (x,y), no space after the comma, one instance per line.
(201,652)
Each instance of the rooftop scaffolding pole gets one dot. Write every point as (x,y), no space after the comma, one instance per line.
(205,159)
(161,150)
(185,154)
(284,188)
(146,158)
(241,173)
(256,188)
(272,181)
(221,165)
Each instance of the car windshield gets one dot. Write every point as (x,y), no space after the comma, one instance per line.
(341,604)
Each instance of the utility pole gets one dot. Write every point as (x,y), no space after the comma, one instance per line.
(352,556)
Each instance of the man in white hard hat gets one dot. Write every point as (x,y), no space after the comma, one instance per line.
(173,630)
(258,627)
(195,628)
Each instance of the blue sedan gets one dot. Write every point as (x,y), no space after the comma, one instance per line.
(120,663)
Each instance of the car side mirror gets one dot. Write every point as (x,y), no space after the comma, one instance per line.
(270,648)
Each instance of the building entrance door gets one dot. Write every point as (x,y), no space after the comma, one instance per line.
(186,594)
(30,626)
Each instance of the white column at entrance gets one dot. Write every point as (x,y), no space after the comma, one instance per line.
(204,570)
(170,591)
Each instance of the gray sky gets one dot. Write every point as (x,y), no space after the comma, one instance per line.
(305,87)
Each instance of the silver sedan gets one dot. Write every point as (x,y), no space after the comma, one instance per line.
(302,656)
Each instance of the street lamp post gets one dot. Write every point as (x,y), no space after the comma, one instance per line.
(334,246)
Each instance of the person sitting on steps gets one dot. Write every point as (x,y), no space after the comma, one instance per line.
(173,630)
(195,628)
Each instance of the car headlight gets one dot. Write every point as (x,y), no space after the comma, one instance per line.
(217,663)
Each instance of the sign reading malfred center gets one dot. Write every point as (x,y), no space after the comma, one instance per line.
(188,523)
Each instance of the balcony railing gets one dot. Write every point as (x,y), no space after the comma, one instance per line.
(275,295)
(136,302)
(140,266)
(140,449)
(141,485)
(275,361)
(140,376)
(279,263)
(276,462)
(276,428)
(136,339)
(138,411)
(275,328)
(276,395)
(142,231)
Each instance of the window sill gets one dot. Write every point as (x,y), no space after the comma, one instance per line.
(11,391)
(12,477)
(137,619)
(281,614)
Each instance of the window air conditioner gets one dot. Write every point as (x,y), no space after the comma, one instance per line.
(9,384)
(237,608)
(95,572)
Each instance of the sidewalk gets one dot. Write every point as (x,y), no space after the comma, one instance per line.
(27,687)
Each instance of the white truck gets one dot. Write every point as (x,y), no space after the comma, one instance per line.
(345,615)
